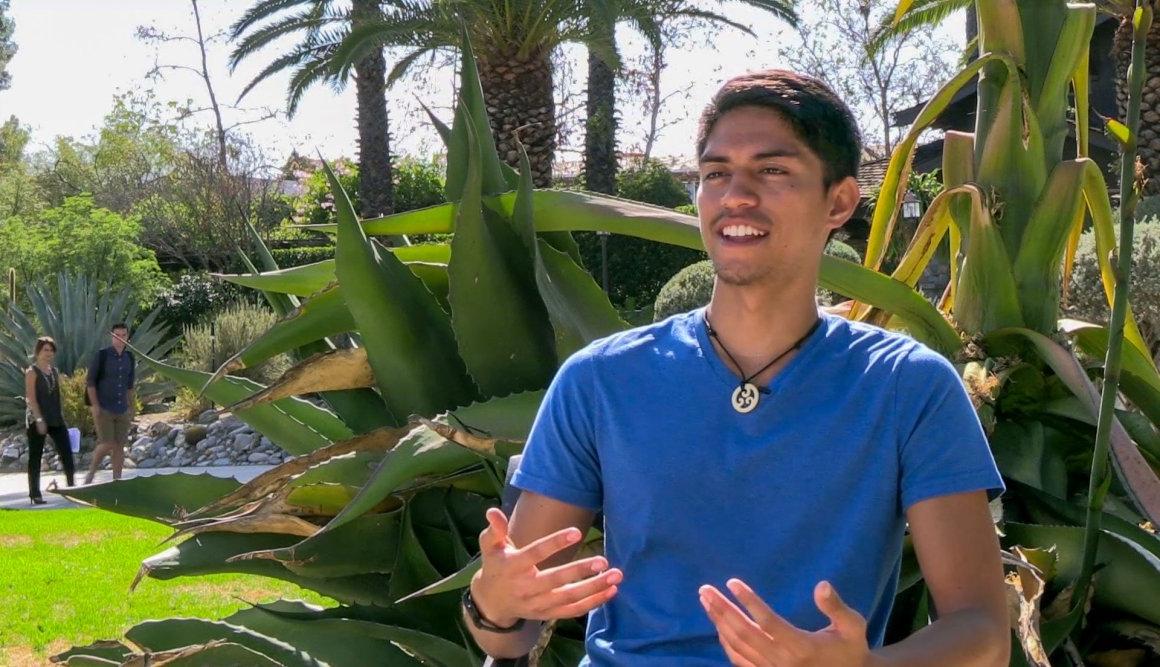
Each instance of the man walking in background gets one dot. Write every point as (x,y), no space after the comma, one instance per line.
(112,373)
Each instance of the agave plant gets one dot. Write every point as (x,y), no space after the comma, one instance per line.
(78,315)
(454,344)
(1014,206)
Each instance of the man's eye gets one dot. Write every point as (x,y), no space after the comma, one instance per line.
(711,175)
(773,170)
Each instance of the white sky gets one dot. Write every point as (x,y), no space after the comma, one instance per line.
(75,55)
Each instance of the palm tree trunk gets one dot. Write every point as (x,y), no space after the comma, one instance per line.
(1149,141)
(972,24)
(518,93)
(376,188)
(600,128)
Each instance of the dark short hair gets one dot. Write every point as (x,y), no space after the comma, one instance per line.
(119,325)
(43,342)
(818,116)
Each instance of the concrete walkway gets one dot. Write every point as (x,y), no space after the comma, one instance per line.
(14,486)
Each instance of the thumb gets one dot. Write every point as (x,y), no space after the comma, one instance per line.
(844,619)
(497,524)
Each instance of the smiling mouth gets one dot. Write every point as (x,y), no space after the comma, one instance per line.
(742,233)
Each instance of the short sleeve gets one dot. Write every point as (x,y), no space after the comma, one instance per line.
(560,459)
(94,365)
(943,449)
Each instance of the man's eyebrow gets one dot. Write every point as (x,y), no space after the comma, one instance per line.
(764,155)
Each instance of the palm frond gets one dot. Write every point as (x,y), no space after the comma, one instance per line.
(403,65)
(307,21)
(713,17)
(303,79)
(921,14)
(400,30)
(782,9)
(260,11)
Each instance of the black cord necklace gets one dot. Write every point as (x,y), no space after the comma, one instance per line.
(747,394)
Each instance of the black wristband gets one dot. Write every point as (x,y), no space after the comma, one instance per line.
(480,621)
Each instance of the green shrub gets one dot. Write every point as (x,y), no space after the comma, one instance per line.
(1086,299)
(418,184)
(289,257)
(637,268)
(1147,207)
(653,183)
(836,248)
(80,238)
(72,401)
(693,285)
(190,403)
(233,329)
(687,209)
(840,249)
(194,297)
(691,288)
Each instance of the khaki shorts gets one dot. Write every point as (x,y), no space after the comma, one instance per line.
(112,427)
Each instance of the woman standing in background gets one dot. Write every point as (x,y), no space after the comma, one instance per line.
(45,416)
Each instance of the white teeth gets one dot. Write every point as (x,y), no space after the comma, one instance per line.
(741,230)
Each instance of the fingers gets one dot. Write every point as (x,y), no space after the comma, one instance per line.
(512,580)
(582,606)
(846,620)
(763,614)
(577,598)
(574,571)
(738,633)
(547,546)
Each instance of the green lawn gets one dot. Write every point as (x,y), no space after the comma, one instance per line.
(65,575)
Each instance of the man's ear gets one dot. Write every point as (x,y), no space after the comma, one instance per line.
(843,199)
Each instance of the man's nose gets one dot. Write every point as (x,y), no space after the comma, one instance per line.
(739,194)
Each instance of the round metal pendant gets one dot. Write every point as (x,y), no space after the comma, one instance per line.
(745,398)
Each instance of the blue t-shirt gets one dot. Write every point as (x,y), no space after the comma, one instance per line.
(811,485)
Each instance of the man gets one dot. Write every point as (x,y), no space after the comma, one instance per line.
(111,377)
(756,461)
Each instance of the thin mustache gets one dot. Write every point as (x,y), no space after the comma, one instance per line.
(754,216)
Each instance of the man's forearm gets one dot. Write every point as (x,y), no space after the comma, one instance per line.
(92,396)
(968,638)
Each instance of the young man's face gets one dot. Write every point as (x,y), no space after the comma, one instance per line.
(120,336)
(765,212)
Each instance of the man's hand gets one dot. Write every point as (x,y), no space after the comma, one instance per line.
(761,638)
(510,584)
(41,427)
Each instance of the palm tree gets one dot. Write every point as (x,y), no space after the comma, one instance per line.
(513,42)
(321,24)
(1149,142)
(649,18)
